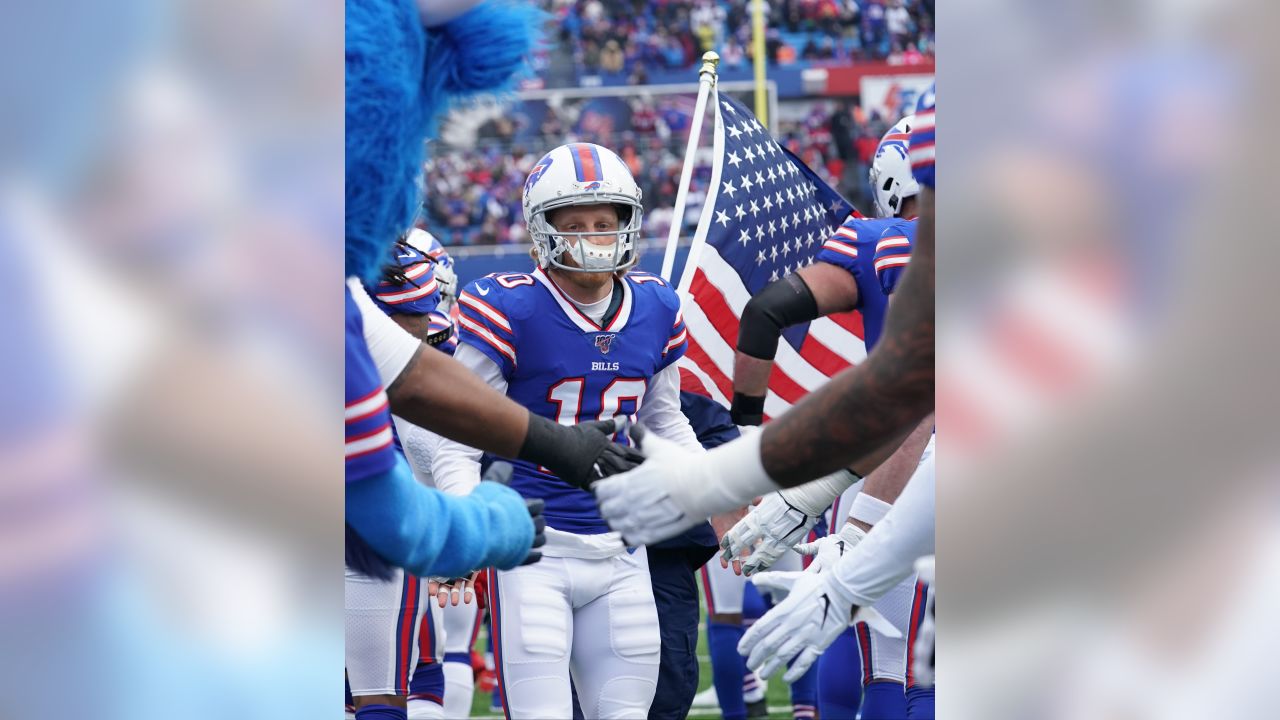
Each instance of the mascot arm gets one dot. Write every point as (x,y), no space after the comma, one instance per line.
(429,533)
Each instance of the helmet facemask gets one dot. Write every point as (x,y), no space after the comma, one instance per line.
(618,254)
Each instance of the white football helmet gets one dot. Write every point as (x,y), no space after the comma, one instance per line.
(891,179)
(583,174)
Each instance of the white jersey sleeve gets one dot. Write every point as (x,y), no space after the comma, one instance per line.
(456,467)
(660,412)
(391,346)
(888,554)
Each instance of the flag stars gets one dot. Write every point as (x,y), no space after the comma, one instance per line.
(728,188)
(773,253)
(734,132)
(777,198)
(774,276)
(722,217)
(772,176)
(750,154)
(734,160)
(759,178)
(738,212)
(768,204)
(746,183)
(786,248)
(760,232)
(773,228)
(760,258)
(743,236)
(755,209)
(729,108)
(784,223)
(756,124)
(746,128)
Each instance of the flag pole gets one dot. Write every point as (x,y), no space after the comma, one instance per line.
(709,204)
(706,81)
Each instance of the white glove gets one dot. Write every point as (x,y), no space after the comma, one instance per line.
(827,551)
(675,488)
(769,530)
(801,627)
(816,610)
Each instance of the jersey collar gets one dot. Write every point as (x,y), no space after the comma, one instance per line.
(571,311)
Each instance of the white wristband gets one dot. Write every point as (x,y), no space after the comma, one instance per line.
(867,509)
(814,497)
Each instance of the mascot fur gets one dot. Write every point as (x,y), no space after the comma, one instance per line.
(406,64)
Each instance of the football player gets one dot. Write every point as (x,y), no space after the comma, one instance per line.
(386,619)
(858,268)
(856,420)
(886,556)
(575,340)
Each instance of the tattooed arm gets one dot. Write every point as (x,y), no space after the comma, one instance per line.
(868,406)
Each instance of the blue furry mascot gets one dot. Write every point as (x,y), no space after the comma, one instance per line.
(406,64)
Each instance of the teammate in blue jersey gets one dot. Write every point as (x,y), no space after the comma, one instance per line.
(575,340)
(856,269)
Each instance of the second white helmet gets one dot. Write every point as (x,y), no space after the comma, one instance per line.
(583,174)
(891,179)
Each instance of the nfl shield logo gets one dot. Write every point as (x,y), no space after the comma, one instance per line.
(605,342)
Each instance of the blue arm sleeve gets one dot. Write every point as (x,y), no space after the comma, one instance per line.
(429,533)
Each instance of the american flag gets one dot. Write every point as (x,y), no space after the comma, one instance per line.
(771,216)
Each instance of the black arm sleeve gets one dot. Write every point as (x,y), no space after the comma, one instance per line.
(780,305)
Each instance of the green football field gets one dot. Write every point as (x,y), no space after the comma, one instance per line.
(777,693)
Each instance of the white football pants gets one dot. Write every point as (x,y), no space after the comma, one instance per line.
(592,619)
(381,631)
(460,624)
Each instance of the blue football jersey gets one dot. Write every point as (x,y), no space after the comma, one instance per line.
(370,449)
(853,248)
(561,365)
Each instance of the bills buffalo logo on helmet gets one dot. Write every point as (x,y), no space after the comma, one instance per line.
(605,342)
(537,172)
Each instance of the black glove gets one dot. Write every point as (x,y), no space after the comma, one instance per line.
(501,472)
(578,454)
(539,530)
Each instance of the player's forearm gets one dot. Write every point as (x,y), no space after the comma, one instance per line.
(750,375)
(444,397)
(885,483)
(871,404)
(779,305)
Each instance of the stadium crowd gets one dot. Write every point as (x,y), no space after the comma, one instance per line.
(475,194)
(634,37)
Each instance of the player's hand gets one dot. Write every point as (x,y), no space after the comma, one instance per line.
(800,627)
(638,504)
(579,454)
(536,507)
(768,531)
(453,590)
(676,488)
(828,550)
